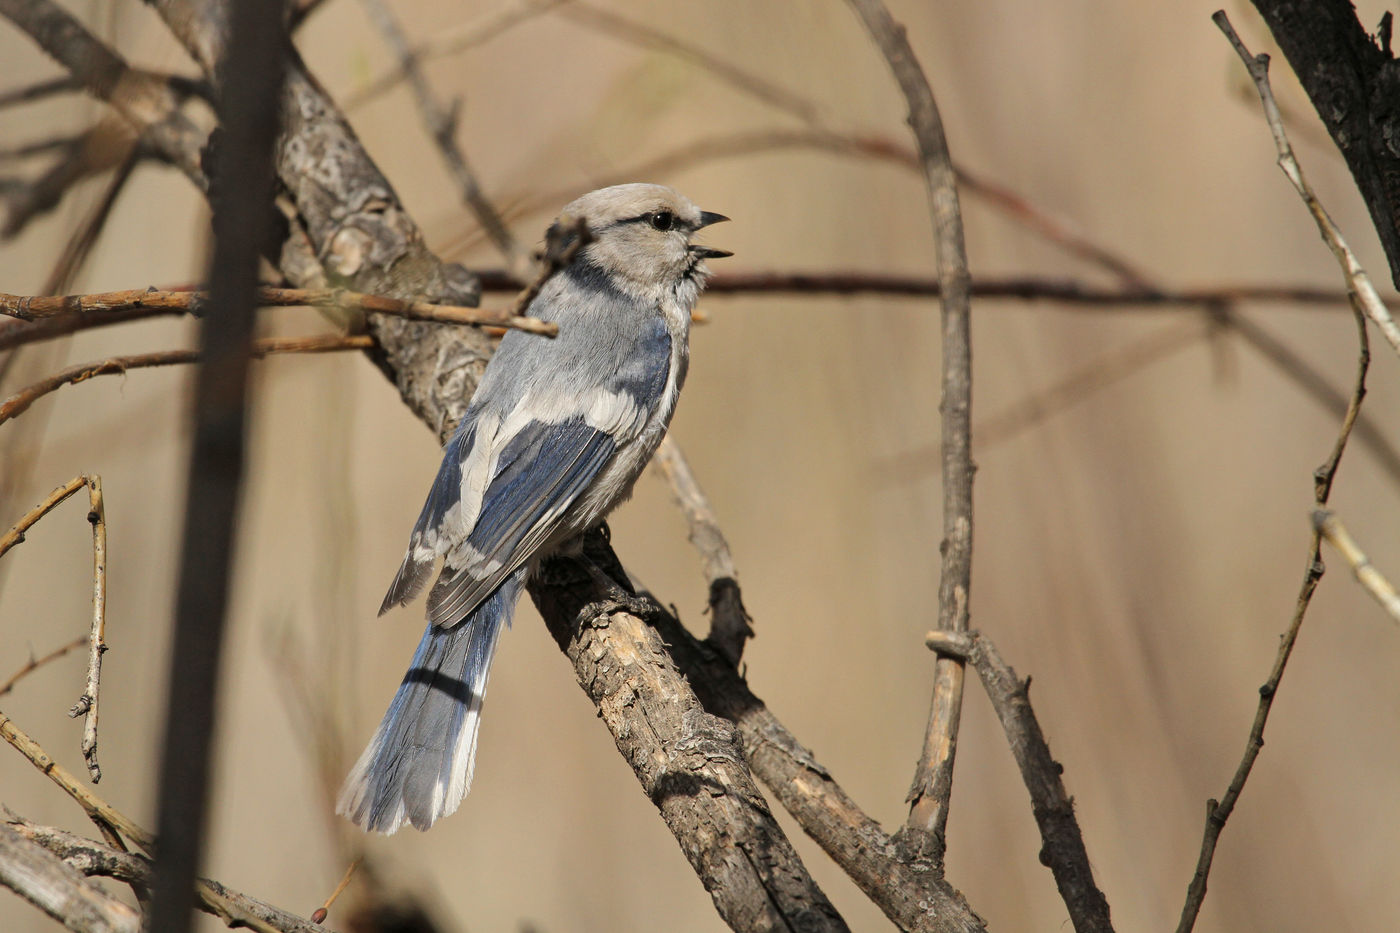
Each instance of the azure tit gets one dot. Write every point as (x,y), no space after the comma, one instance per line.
(555,436)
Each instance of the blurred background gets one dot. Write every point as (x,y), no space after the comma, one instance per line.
(1138,552)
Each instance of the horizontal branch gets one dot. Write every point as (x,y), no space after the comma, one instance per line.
(35,308)
(1069,291)
(16,404)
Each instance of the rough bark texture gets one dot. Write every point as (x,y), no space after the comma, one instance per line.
(681,754)
(1354,84)
(910,890)
(60,890)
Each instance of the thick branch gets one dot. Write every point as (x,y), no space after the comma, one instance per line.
(682,755)
(910,891)
(60,890)
(1355,86)
(91,858)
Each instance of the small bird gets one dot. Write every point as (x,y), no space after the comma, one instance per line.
(555,436)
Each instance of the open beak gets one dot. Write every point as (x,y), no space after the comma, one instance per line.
(709,252)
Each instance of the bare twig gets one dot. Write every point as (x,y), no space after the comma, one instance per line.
(1331,528)
(729,620)
(319,914)
(34,308)
(933,779)
(1063,849)
(1218,812)
(94,859)
(16,534)
(96,808)
(35,663)
(1358,282)
(87,703)
(16,404)
(441,123)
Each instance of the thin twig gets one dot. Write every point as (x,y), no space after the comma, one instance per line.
(933,778)
(35,663)
(1063,845)
(441,123)
(319,914)
(38,307)
(16,404)
(729,620)
(1331,528)
(1218,812)
(87,703)
(16,534)
(1358,282)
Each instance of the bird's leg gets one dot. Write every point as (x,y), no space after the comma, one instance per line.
(616,598)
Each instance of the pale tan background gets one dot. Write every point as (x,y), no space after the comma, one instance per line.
(1138,555)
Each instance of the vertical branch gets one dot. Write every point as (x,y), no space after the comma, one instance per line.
(251,73)
(933,779)
(87,703)
(1219,811)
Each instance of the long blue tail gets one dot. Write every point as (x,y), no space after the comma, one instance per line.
(418,766)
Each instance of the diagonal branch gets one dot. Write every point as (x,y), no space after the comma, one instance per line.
(442,124)
(1063,850)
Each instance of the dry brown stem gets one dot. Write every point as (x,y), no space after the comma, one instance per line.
(16,404)
(40,307)
(933,778)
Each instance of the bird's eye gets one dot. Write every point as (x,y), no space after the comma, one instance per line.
(663,220)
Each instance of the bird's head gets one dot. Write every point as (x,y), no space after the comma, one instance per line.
(641,236)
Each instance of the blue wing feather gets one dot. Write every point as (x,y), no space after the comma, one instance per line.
(540,472)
